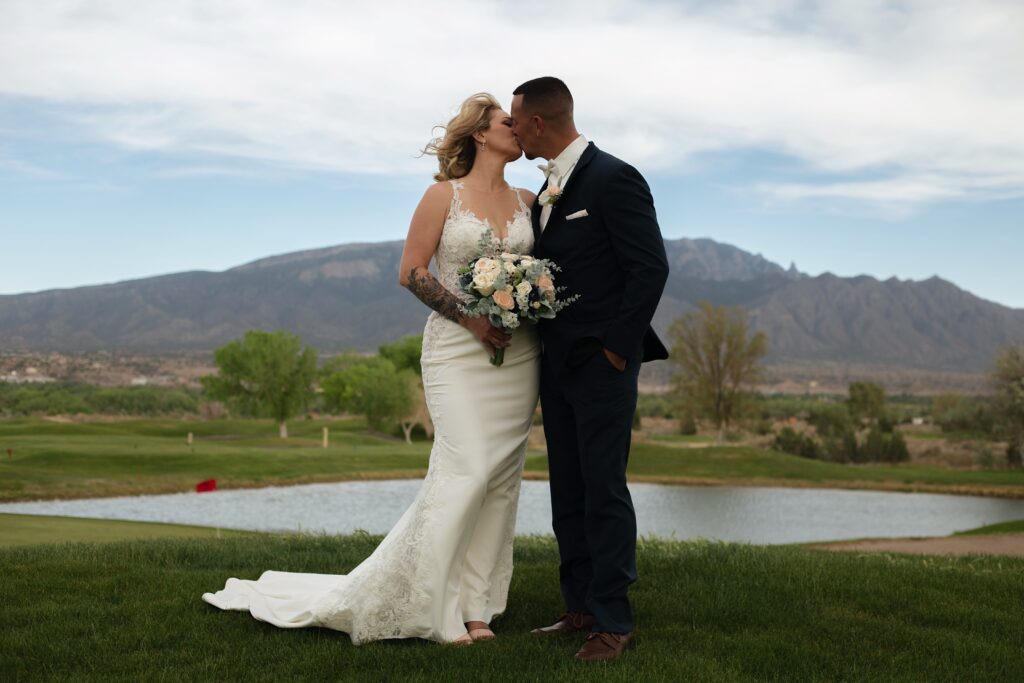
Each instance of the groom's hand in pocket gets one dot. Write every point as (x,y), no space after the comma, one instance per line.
(615,359)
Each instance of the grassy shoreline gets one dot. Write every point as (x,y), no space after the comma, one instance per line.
(25,530)
(21,530)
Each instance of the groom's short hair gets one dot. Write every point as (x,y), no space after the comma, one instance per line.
(547,97)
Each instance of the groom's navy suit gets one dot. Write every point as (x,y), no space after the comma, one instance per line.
(614,259)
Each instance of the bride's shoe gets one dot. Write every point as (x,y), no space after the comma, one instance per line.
(479,630)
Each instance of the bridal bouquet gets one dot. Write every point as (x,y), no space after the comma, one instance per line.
(510,289)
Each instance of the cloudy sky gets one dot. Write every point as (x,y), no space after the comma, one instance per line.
(852,136)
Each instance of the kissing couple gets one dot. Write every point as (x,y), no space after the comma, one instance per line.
(443,571)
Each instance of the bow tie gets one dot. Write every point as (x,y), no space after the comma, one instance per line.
(549,169)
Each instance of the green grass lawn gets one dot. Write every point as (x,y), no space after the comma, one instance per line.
(131,611)
(748,464)
(684,439)
(138,456)
(1016,527)
(53,460)
(36,529)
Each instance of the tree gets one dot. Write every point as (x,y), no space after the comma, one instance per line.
(718,360)
(834,425)
(954,413)
(945,407)
(405,353)
(265,374)
(831,421)
(371,386)
(1007,379)
(866,402)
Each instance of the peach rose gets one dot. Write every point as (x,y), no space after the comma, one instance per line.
(504,299)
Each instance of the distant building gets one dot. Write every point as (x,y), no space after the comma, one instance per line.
(32,377)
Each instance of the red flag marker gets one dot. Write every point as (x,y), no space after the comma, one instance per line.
(208,485)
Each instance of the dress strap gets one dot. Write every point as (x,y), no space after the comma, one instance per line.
(519,196)
(456,206)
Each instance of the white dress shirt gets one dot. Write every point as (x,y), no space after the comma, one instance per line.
(564,164)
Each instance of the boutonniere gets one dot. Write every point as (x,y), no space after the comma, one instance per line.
(550,196)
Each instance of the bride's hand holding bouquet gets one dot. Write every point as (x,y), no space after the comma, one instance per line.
(507,290)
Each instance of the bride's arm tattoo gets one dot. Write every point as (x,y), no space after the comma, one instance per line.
(428,290)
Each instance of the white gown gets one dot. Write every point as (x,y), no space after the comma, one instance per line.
(448,560)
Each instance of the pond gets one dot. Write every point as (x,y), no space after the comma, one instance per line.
(725,513)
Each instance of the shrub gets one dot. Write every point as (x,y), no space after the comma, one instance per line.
(880,446)
(831,421)
(795,443)
(656,405)
(68,399)
(886,424)
(688,426)
(843,447)
(954,413)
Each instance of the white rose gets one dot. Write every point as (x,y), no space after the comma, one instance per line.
(485,273)
(487,265)
(523,288)
(484,284)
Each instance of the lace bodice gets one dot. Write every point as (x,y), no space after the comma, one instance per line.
(461,243)
(460,237)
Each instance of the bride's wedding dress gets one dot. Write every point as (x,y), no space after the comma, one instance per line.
(448,560)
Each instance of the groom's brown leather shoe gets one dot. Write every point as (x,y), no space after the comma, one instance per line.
(601,646)
(570,622)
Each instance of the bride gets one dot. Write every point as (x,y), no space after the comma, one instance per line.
(442,573)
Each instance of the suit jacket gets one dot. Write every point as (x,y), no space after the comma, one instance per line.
(613,258)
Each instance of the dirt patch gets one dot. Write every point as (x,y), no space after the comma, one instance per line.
(993,544)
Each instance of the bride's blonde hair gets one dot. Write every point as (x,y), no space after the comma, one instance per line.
(456,149)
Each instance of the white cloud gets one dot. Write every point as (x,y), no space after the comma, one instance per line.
(925,97)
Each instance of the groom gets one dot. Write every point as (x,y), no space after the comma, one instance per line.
(595,219)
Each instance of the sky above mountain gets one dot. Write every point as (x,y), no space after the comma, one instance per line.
(857,137)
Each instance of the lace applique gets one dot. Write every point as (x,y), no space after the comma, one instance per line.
(388,593)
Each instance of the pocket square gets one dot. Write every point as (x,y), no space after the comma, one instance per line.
(582,213)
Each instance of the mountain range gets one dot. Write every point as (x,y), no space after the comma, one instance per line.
(348,297)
